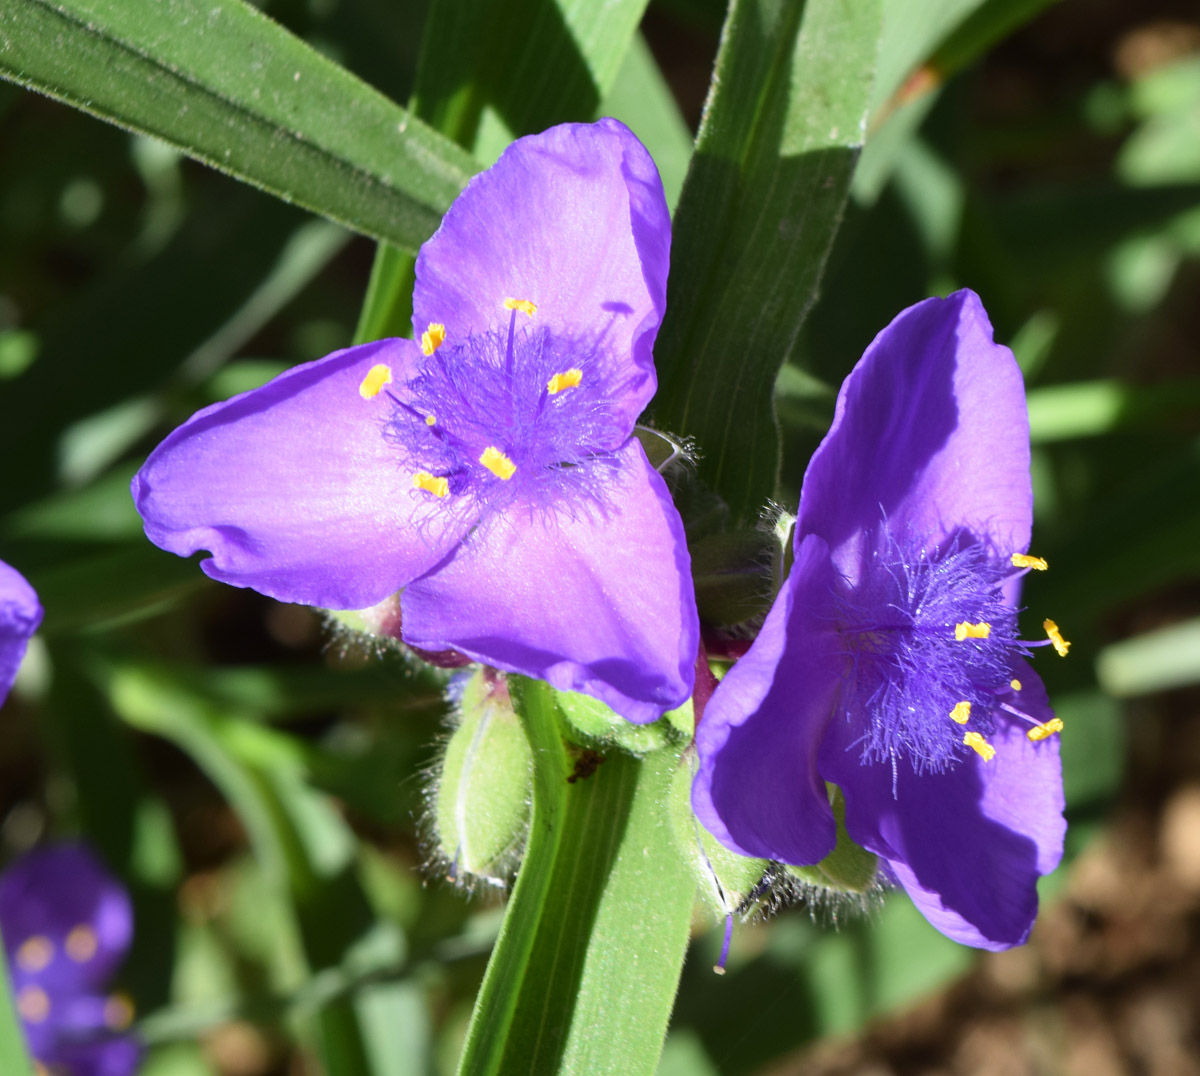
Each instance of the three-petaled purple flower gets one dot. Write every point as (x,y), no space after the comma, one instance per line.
(67,925)
(890,665)
(488,470)
(20,615)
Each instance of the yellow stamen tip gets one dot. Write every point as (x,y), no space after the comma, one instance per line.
(1056,637)
(439,487)
(433,337)
(379,375)
(1015,685)
(35,954)
(118,1012)
(431,420)
(1042,732)
(1024,560)
(568,379)
(980,746)
(961,712)
(498,463)
(967,630)
(33,1003)
(523,305)
(81,944)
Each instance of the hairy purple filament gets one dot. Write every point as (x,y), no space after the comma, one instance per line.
(908,669)
(492,391)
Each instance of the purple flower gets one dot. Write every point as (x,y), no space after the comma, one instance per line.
(890,664)
(489,469)
(67,925)
(20,615)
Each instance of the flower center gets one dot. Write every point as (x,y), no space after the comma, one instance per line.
(504,413)
(932,640)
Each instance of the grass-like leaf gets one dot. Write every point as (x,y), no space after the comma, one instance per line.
(762,201)
(234,89)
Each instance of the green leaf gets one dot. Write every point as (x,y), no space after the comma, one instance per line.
(762,202)
(13,1058)
(232,88)
(641,99)
(302,845)
(584,973)
(515,70)
(1091,408)
(1153,661)
(512,74)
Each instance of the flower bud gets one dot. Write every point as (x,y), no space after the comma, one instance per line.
(729,884)
(596,723)
(849,868)
(383,621)
(480,803)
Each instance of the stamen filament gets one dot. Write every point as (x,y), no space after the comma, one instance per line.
(719,966)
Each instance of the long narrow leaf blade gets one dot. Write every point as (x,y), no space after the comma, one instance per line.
(762,202)
(228,86)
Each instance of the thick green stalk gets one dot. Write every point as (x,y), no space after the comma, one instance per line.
(584,973)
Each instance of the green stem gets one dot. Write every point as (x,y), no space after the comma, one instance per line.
(584,973)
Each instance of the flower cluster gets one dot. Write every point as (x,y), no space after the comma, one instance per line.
(67,925)
(20,615)
(890,665)
(486,468)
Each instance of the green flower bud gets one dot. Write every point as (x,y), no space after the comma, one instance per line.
(596,724)
(848,868)
(480,804)
(729,884)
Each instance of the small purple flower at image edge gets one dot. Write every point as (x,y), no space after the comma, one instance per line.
(891,666)
(20,615)
(67,925)
(486,469)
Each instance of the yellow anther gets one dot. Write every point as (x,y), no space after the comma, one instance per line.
(379,375)
(1015,685)
(498,463)
(967,630)
(35,954)
(1056,637)
(433,337)
(523,305)
(431,420)
(961,712)
(980,746)
(568,379)
(118,1012)
(1024,560)
(1041,732)
(439,487)
(33,1004)
(82,944)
